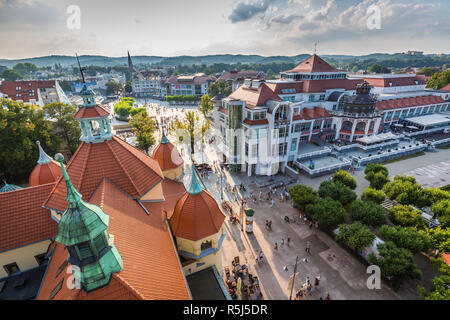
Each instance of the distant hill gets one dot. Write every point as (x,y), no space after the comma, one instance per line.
(104,61)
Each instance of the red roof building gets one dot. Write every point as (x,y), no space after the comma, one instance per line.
(46,171)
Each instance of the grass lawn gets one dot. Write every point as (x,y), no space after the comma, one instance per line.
(404,158)
(445,147)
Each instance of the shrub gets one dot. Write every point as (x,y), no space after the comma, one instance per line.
(374,195)
(368,212)
(405,215)
(327,211)
(355,235)
(337,191)
(345,178)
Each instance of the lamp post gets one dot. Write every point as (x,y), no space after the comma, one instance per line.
(293,275)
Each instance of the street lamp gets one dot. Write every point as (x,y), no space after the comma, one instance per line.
(291,283)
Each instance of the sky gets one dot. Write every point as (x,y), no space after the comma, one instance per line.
(30,28)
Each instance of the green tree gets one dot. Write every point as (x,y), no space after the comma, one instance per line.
(379,69)
(337,191)
(345,178)
(374,195)
(441,289)
(406,190)
(377,175)
(123,108)
(205,105)
(188,128)
(327,211)
(355,235)
(395,263)
(66,127)
(20,127)
(439,80)
(10,75)
(406,237)
(25,68)
(144,128)
(112,87)
(368,212)
(428,71)
(219,88)
(406,216)
(128,87)
(439,238)
(302,196)
(441,210)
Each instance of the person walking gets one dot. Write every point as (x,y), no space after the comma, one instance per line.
(316,281)
(261,256)
(308,246)
(310,224)
(282,241)
(270,224)
(288,241)
(273,202)
(276,246)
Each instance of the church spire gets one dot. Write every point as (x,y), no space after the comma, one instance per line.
(195,187)
(164,139)
(130,63)
(43,157)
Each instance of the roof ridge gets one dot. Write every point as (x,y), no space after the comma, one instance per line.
(125,283)
(121,165)
(135,148)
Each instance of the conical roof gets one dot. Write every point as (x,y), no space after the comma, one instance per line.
(313,64)
(167,154)
(196,214)
(47,170)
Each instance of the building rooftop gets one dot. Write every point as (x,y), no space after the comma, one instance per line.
(431,119)
(205,285)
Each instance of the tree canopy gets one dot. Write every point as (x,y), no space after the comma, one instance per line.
(302,195)
(406,237)
(66,126)
(368,212)
(395,262)
(406,190)
(439,80)
(377,175)
(374,195)
(337,191)
(442,210)
(219,88)
(20,127)
(327,211)
(112,87)
(439,237)
(345,178)
(10,75)
(124,107)
(355,235)
(205,105)
(406,216)
(144,128)
(25,68)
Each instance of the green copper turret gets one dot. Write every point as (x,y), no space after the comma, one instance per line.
(83,229)
(195,187)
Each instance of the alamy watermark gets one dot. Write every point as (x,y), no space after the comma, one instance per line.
(73,21)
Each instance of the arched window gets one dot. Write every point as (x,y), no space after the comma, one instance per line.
(347,125)
(206,245)
(360,126)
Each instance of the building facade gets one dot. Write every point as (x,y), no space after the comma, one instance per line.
(262,125)
(38,92)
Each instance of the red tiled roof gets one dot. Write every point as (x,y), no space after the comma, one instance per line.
(22,219)
(235,75)
(327,84)
(196,216)
(277,87)
(312,113)
(128,167)
(9,88)
(256,122)
(45,173)
(313,64)
(446,88)
(151,269)
(408,102)
(91,112)
(396,82)
(167,156)
(446,257)
(254,96)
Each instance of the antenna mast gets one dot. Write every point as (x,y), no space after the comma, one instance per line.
(81,69)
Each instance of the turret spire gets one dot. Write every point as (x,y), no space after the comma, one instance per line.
(73,196)
(43,157)
(195,187)
(164,139)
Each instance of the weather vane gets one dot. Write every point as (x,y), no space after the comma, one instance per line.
(81,69)
(315,47)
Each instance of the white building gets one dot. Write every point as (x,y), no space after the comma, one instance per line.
(312,102)
(196,84)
